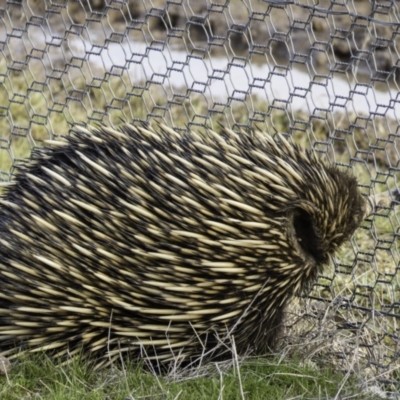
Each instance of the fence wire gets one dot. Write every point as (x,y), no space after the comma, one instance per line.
(326,73)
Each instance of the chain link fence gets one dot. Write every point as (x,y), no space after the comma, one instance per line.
(326,73)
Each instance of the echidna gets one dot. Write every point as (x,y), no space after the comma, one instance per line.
(165,244)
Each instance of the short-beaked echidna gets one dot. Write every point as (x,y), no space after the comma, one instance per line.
(164,244)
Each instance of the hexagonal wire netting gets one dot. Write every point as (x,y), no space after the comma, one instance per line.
(324,72)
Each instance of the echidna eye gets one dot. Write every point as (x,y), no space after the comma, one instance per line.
(306,235)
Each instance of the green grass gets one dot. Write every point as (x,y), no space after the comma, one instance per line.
(39,377)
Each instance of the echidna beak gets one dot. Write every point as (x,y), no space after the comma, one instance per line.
(387,199)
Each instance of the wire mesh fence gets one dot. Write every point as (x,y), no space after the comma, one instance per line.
(326,73)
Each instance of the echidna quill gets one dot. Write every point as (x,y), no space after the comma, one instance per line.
(164,244)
